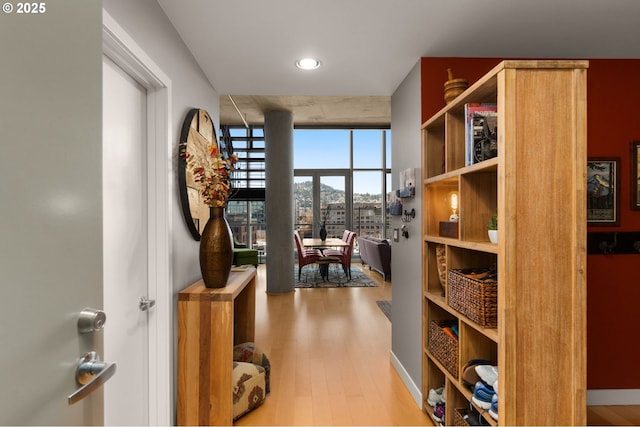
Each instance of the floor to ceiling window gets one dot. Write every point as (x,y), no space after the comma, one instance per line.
(341,177)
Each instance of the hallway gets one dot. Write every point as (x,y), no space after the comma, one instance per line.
(330,356)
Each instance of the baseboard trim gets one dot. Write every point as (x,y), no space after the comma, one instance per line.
(406,379)
(613,397)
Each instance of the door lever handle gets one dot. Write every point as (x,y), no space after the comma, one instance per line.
(146,304)
(91,374)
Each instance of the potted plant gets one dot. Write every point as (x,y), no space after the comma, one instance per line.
(492,227)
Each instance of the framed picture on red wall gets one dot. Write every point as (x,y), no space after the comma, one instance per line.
(603,181)
(635,175)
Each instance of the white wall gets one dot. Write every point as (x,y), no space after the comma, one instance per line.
(149,27)
(406,259)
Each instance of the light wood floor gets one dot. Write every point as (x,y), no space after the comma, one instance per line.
(330,355)
(613,415)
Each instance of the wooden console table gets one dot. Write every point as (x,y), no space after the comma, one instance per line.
(210,323)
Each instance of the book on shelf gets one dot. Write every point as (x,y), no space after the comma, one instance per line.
(481,132)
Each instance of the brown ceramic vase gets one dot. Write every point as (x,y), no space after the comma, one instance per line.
(216,250)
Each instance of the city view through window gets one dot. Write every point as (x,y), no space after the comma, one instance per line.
(366,210)
(341,177)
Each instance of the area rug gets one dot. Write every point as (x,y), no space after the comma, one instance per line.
(311,278)
(385,306)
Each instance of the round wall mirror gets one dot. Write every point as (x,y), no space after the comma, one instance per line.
(196,136)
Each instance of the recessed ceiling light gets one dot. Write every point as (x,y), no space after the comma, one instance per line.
(308,63)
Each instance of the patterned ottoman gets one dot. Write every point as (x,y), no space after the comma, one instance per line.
(251,369)
(248,352)
(248,387)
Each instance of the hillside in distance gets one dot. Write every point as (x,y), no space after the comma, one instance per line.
(303,191)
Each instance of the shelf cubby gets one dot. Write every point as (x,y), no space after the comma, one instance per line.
(436,379)
(460,258)
(455,400)
(443,349)
(434,153)
(478,202)
(454,128)
(440,207)
(476,345)
(433,283)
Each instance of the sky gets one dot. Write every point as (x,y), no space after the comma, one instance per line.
(329,149)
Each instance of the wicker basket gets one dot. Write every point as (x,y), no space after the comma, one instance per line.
(475,299)
(443,346)
(458,417)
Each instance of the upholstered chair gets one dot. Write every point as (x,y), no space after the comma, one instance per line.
(305,256)
(344,253)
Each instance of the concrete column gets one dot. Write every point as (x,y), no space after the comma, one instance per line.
(278,133)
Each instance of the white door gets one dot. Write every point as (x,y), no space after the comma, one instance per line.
(125,235)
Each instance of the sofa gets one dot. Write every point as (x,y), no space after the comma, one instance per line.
(376,253)
(243,255)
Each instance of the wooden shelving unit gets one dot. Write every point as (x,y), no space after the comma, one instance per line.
(537,186)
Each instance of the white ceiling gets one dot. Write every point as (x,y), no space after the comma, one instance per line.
(367,47)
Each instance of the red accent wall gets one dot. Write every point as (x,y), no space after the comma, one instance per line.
(613,281)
